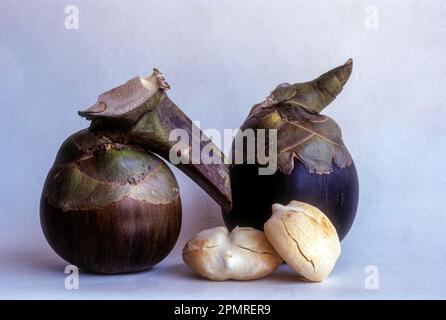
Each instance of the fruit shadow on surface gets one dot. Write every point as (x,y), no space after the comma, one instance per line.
(282,274)
(41,259)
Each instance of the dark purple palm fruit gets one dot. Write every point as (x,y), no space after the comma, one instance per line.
(314,166)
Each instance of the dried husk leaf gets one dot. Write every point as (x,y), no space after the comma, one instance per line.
(121,100)
(302,133)
(140,113)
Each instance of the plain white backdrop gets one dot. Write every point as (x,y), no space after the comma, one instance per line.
(221,57)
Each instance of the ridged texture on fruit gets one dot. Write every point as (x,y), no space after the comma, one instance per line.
(126,236)
(91,172)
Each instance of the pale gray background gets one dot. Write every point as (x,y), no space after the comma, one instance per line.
(221,57)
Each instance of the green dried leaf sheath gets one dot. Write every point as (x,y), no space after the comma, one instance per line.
(316,140)
(152,133)
(140,113)
(99,175)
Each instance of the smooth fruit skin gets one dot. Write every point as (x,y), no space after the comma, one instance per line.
(335,194)
(127,222)
(128,236)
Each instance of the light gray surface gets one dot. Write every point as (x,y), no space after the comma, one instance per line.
(220,58)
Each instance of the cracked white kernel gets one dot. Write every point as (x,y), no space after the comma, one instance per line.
(243,254)
(305,238)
